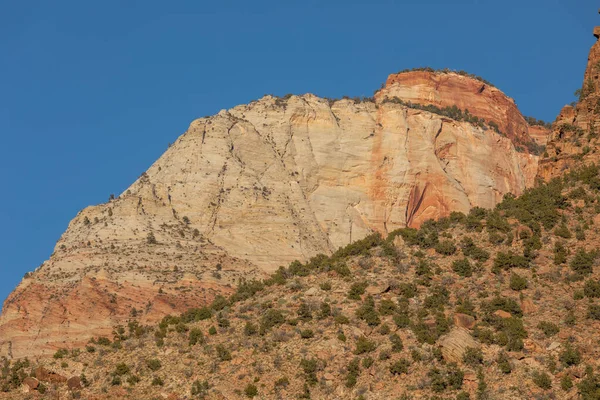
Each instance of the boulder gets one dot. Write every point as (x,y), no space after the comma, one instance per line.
(464,321)
(74,383)
(502,314)
(455,343)
(44,375)
(31,383)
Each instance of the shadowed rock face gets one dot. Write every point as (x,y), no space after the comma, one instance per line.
(574,138)
(256,187)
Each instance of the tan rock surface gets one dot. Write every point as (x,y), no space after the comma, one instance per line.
(455,343)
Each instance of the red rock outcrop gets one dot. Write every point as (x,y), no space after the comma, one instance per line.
(574,139)
(481,99)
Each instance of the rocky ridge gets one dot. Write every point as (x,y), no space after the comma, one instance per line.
(574,138)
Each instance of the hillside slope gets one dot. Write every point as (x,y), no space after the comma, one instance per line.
(498,304)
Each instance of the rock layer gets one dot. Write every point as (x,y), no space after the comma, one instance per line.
(261,185)
(480,98)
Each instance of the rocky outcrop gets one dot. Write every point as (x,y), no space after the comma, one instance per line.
(480,98)
(455,344)
(574,139)
(261,185)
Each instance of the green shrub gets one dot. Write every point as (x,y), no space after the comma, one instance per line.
(408,290)
(103,341)
(364,345)
(353,372)
(594,311)
(250,329)
(200,389)
(356,290)
(325,310)
(121,369)
(153,364)
(451,379)
(196,337)
(542,380)
(569,356)
(506,261)
(563,231)
(549,328)
(445,247)
(304,312)
(387,307)
(591,288)
(222,353)
(219,303)
(514,332)
(504,363)
(61,353)
(282,382)
(583,262)
(570,319)
(517,282)
(341,319)
(368,313)
(384,329)
(560,253)
(566,383)
(473,356)
(310,367)
(307,334)
(438,298)
(496,222)
(272,318)
(462,267)
(469,249)
(401,319)
(502,303)
(400,367)
(496,238)
(158,381)
(397,344)
(251,391)
(195,315)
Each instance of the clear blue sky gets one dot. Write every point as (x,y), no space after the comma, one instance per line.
(91,93)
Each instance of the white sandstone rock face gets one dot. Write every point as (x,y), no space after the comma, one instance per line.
(272,183)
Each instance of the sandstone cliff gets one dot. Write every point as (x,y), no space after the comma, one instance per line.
(263,184)
(574,139)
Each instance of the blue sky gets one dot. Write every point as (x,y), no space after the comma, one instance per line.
(91,93)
